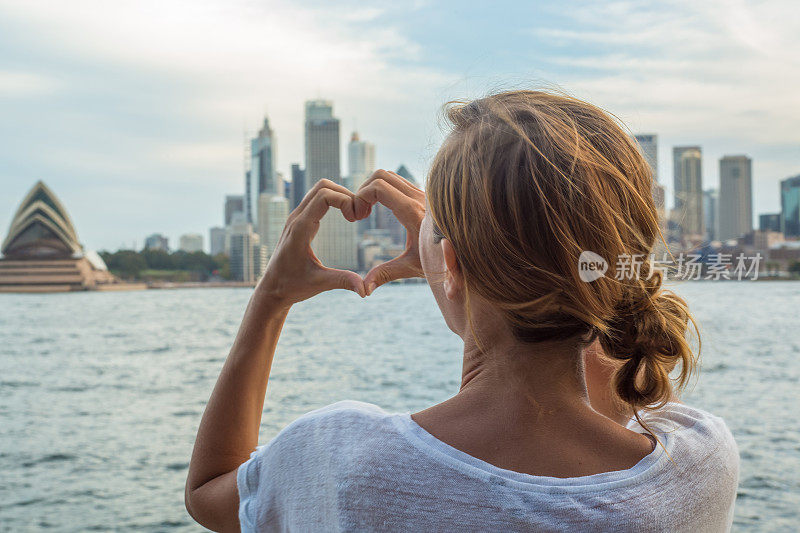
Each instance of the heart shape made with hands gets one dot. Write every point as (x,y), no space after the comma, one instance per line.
(407,203)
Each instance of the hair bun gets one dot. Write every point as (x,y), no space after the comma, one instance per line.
(649,336)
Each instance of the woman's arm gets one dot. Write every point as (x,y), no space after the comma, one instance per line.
(228,431)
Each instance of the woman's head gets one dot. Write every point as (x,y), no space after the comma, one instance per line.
(524,184)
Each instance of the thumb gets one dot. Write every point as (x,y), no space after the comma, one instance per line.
(344,279)
(397,268)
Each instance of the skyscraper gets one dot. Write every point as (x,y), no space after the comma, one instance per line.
(769,222)
(261,177)
(322,143)
(298,185)
(688,177)
(216,239)
(735,197)
(711,214)
(405,173)
(790,206)
(360,161)
(242,243)
(233,204)
(335,243)
(648,144)
(273,210)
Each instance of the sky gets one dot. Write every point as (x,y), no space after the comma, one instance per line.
(136,113)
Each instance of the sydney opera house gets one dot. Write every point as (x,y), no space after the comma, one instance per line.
(41,252)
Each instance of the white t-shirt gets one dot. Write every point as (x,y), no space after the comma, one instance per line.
(351,466)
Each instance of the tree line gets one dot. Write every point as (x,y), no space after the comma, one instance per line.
(166,266)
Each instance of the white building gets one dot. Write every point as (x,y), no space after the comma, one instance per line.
(735,197)
(360,161)
(242,242)
(273,210)
(191,242)
(216,239)
(336,242)
(688,190)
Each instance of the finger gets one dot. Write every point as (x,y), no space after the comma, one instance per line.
(408,211)
(332,278)
(308,220)
(400,267)
(311,194)
(395,180)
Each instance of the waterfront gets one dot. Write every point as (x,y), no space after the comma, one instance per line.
(101,393)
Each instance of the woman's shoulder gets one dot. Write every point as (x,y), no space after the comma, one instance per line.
(334,423)
(693,432)
(688,419)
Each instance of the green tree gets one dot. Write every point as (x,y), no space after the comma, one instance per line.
(222,266)
(158,260)
(124,263)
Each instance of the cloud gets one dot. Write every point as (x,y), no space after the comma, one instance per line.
(720,73)
(163,92)
(16,84)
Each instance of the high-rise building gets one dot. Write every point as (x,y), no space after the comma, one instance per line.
(322,143)
(769,222)
(242,243)
(405,173)
(216,240)
(191,242)
(273,210)
(648,144)
(360,161)
(233,204)
(298,185)
(260,259)
(688,177)
(711,214)
(261,177)
(735,197)
(335,243)
(790,206)
(156,241)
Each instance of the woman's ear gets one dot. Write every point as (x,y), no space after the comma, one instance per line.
(454,279)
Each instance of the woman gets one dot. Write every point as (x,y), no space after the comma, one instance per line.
(565,418)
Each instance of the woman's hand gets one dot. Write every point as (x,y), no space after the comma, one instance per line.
(294,273)
(407,202)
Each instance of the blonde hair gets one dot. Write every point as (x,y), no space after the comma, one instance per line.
(527,181)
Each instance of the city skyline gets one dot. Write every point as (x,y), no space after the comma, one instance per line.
(144,132)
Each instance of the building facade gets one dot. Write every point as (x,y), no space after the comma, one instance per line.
(360,161)
(711,214)
(261,176)
(322,143)
(335,243)
(648,144)
(298,185)
(769,222)
(233,204)
(190,242)
(242,242)
(735,197)
(688,188)
(216,240)
(156,241)
(790,207)
(273,210)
